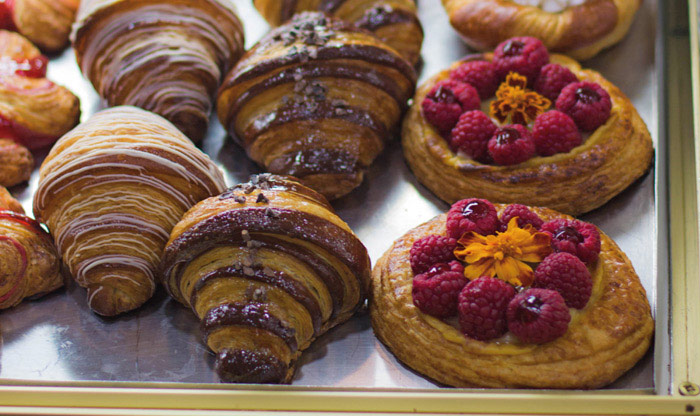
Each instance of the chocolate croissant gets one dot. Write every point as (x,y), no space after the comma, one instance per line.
(393,21)
(317,99)
(110,191)
(30,266)
(165,56)
(267,267)
(47,23)
(34,111)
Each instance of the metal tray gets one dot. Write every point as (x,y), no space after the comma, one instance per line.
(56,352)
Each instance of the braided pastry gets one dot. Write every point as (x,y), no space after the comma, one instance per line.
(268,267)
(29,263)
(34,111)
(578,28)
(316,98)
(110,191)
(393,21)
(165,56)
(46,23)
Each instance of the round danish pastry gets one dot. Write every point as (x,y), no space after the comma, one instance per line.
(522,298)
(520,125)
(578,28)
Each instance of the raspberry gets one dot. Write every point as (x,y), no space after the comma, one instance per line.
(482,308)
(566,274)
(555,132)
(435,292)
(511,144)
(553,78)
(480,75)
(446,101)
(478,215)
(525,216)
(576,237)
(471,135)
(538,316)
(431,250)
(587,103)
(524,55)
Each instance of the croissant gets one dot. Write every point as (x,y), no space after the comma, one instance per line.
(393,21)
(317,99)
(267,267)
(165,56)
(34,111)
(110,191)
(30,264)
(580,29)
(46,23)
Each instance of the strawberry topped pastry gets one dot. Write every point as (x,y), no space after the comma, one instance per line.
(521,125)
(510,296)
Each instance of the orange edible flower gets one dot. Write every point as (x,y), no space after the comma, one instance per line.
(515,101)
(505,254)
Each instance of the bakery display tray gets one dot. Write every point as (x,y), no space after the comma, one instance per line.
(58,339)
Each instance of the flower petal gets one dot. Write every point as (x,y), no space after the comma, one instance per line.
(514,272)
(484,267)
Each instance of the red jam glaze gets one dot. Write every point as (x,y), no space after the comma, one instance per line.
(31,68)
(6,21)
(23,135)
(27,222)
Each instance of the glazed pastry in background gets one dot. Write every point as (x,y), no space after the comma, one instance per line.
(29,263)
(47,23)
(34,111)
(267,267)
(393,21)
(578,28)
(8,203)
(110,191)
(510,297)
(523,126)
(317,99)
(16,163)
(165,56)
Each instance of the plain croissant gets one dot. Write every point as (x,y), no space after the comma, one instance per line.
(110,191)
(267,267)
(165,56)
(393,21)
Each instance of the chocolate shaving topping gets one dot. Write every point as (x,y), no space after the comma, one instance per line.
(239,198)
(262,199)
(271,213)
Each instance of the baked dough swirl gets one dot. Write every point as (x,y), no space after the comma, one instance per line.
(317,99)
(580,31)
(47,23)
(603,341)
(267,267)
(165,56)
(395,22)
(614,156)
(29,263)
(110,191)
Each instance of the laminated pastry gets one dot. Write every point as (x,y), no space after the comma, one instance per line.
(578,28)
(561,136)
(395,22)
(47,23)
(110,191)
(8,203)
(267,267)
(29,263)
(579,320)
(34,112)
(165,56)
(317,99)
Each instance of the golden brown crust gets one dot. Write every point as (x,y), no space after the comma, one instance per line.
(47,23)
(611,158)
(395,22)
(110,191)
(579,31)
(165,56)
(604,340)
(16,163)
(8,203)
(316,98)
(268,267)
(29,262)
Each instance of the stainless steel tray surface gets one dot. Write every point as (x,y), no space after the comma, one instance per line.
(58,338)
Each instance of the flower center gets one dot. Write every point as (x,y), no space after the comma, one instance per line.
(516,103)
(569,234)
(587,95)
